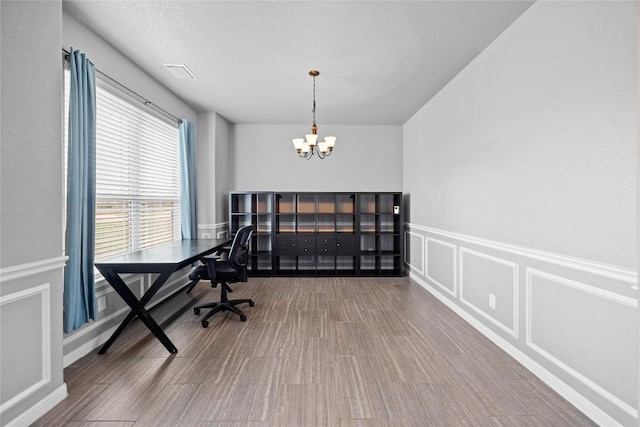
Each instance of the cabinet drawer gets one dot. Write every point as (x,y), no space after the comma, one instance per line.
(311,244)
(326,244)
(306,244)
(346,244)
(324,249)
(286,244)
(326,240)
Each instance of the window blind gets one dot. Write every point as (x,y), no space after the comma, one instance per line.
(137,175)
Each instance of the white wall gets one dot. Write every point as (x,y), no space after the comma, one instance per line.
(366,158)
(31,211)
(520,178)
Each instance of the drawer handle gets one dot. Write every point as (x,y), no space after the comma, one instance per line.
(326,250)
(305,249)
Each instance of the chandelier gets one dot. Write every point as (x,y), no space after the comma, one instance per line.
(306,149)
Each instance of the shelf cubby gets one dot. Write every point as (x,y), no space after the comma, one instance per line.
(255,209)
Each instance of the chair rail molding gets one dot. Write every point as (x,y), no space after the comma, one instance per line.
(593,267)
(31,268)
(213,231)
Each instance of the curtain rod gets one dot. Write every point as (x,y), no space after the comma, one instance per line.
(142,99)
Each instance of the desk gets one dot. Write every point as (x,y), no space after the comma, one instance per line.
(163,260)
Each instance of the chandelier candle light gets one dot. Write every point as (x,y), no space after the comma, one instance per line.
(306,149)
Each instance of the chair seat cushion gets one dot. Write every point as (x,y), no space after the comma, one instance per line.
(224,272)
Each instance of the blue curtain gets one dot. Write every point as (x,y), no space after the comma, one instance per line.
(188,196)
(79,285)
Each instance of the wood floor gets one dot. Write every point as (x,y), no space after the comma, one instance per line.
(345,352)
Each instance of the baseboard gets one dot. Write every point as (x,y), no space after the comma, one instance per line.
(32,414)
(579,401)
(90,345)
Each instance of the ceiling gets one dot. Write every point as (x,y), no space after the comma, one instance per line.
(379,61)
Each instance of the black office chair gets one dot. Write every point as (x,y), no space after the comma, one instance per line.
(231,270)
(195,278)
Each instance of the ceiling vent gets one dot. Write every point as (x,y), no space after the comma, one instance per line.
(180,71)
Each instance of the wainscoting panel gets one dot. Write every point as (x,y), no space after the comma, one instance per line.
(584,331)
(573,322)
(30,349)
(414,251)
(31,377)
(442,264)
(488,285)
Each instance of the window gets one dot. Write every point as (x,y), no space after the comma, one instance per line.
(137,174)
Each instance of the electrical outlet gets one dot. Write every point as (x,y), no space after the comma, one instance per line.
(492,301)
(206,235)
(102,303)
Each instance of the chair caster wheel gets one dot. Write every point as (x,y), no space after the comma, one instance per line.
(251,304)
(243,318)
(205,323)
(196,311)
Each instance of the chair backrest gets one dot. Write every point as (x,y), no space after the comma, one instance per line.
(239,252)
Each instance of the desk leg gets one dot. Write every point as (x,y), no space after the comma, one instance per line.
(137,309)
(118,331)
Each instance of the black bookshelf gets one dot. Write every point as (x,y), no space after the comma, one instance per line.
(321,234)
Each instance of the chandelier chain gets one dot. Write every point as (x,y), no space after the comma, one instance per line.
(314,100)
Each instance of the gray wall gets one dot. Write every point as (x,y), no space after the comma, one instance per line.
(31,260)
(520,178)
(213,140)
(223,167)
(117,66)
(206,179)
(31,132)
(520,182)
(366,158)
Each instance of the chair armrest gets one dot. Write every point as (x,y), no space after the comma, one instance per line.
(225,248)
(210,262)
